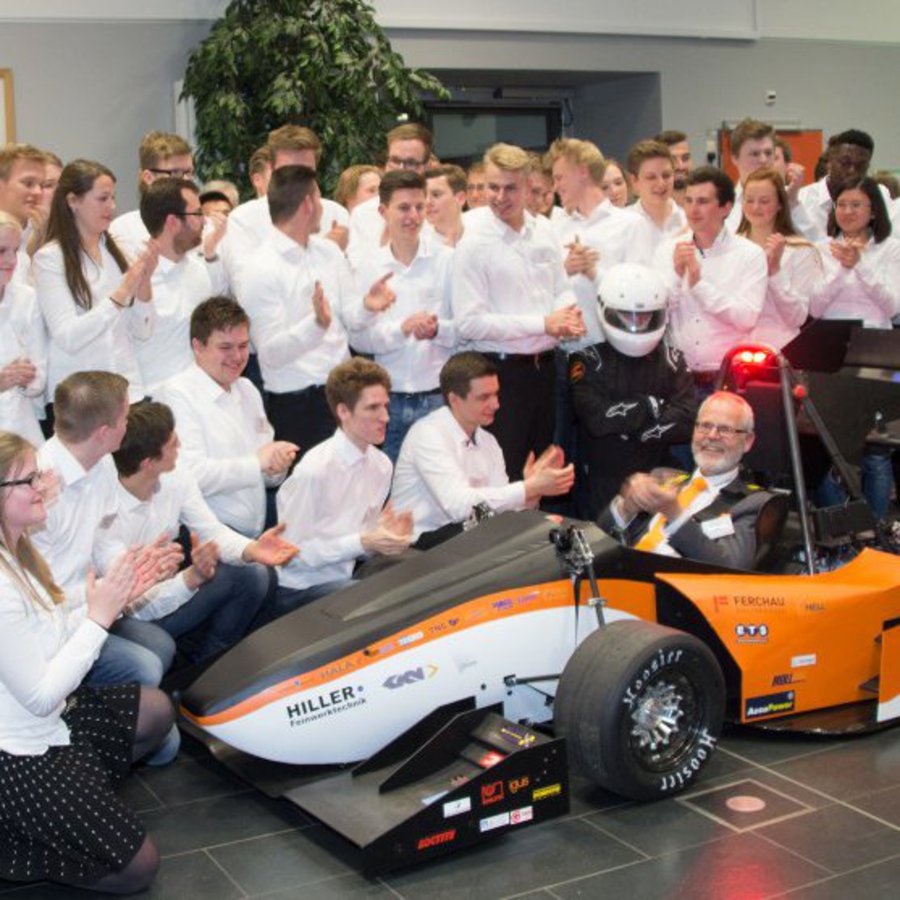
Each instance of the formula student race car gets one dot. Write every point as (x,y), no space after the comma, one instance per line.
(635,658)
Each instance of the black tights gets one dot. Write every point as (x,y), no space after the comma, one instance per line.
(155,718)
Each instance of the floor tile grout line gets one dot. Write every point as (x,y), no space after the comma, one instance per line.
(255,837)
(183,803)
(150,791)
(775,843)
(786,758)
(618,840)
(834,876)
(577,878)
(391,888)
(226,873)
(813,790)
(315,883)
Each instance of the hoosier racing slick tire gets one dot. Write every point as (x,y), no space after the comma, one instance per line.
(641,708)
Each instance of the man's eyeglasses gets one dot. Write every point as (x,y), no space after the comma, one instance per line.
(32,480)
(400,163)
(173,173)
(726,431)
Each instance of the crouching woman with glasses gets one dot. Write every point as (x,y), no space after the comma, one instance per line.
(65,748)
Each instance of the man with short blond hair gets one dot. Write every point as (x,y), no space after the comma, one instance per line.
(22,168)
(513,302)
(445,200)
(161,154)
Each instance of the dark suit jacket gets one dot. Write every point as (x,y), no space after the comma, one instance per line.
(741,501)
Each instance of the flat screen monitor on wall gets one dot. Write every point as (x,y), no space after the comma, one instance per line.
(463,131)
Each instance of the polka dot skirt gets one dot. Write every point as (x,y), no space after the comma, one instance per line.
(60,818)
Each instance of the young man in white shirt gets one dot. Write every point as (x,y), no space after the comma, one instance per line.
(333,502)
(449,464)
(250,224)
(651,172)
(161,155)
(296,288)
(225,436)
(445,200)
(414,336)
(91,413)
(22,169)
(680,148)
(752,148)
(716,280)
(211,604)
(170,210)
(513,302)
(409,147)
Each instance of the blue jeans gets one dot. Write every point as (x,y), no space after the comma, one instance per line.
(877,481)
(133,651)
(221,611)
(405,409)
(287,599)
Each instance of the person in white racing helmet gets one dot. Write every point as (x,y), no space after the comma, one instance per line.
(633,394)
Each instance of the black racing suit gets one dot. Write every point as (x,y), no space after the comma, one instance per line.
(629,411)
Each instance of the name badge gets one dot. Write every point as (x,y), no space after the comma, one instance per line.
(720,527)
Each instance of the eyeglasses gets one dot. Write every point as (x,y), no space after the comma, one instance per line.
(31,480)
(400,163)
(173,173)
(726,431)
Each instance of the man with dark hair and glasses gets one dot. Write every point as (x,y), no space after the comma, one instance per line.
(170,211)
(710,515)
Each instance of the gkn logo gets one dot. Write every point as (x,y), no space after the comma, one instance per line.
(410,676)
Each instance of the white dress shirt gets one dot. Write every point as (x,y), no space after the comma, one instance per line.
(178,289)
(220,432)
(817,204)
(95,338)
(176,500)
(787,296)
(276,289)
(77,532)
(130,233)
(22,334)
(505,282)
(646,238)
(422,286)
(869,291)
(250,224)
(333,496)
(722,308)
(608,230)
(45,651)
(442,473)
(368,231)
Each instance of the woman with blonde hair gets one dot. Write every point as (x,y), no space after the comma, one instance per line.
(23,341)
(64,748)
(795,266)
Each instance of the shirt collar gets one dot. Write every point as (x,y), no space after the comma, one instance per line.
(127,501)
(347,452)
(718,481)
(723,241)
(283,244)
(603,210)
(459,433)
(61,458)
(210,388)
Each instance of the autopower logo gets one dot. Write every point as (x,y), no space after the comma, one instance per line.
(410,676)
(769,705)
(320,706)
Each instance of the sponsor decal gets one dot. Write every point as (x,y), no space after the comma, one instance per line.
(492,822)
(752,634)
(457,807)
(814,607)
(620,409)
(408,639)
(322,705)
(719,600)
(519,784)
(519,738)
(490,759)
(436,840)
(659,661)
(410,676)
(551,790)
(805,659)
(505,603)
(786,678)
(518,816)
(427,801)
(758,601)
(442,627)
(377,651)
(769,705)
(576,372)
(675,781)
(492,793)
(656,432)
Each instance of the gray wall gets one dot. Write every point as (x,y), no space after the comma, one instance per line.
(94,89)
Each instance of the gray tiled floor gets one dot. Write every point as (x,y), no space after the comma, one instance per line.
(839,836)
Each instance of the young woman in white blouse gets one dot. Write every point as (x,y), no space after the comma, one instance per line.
(64,748)
(91,300)
(862,260)
(23,341)
(795,265)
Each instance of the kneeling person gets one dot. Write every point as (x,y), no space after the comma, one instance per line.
(211,604)
(711,515)
(333,502)
(449,464)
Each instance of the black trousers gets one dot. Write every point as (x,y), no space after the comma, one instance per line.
(301,416)
(526,419)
